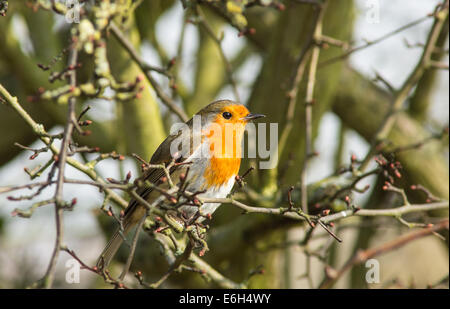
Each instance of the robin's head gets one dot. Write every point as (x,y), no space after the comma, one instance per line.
(223,123)
(227,112)
(220,123)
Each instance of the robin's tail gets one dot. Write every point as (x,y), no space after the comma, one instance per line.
(113,245)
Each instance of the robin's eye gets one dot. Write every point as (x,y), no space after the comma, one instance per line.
(226,115)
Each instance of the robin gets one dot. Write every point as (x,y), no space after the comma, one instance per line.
(207,167)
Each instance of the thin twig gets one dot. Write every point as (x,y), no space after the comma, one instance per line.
(373,42)
(205,25)
(393,212)
(146,70)
(59,202)
(309,100)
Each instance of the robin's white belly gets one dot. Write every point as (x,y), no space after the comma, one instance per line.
(197,182)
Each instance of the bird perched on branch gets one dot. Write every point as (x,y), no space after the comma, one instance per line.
(201,159)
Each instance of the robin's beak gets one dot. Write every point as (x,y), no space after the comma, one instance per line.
(250,117)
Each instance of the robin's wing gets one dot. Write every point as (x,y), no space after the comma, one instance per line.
(162,155)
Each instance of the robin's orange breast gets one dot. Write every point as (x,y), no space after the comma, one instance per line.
(225,142)
(220,170)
